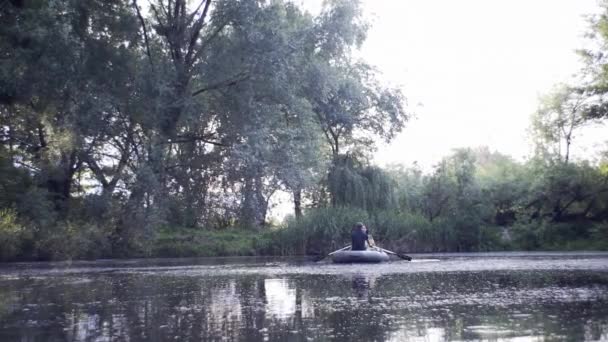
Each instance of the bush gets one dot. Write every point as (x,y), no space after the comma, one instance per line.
(599,235)
(193,242)
(322,230)
(12,235)
(400,231)
(491,239)
(319,231)
(70,240)
(525,236)
(545,235)
(35,207)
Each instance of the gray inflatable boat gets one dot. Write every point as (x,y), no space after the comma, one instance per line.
(350,256)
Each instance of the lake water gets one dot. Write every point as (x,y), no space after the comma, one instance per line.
(496,296)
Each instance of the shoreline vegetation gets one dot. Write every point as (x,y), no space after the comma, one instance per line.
(165,130)
(318,233)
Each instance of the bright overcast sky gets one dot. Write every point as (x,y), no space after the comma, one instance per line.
(472,70)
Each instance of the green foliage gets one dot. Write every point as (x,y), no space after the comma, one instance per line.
(504,184)
(567,192)
(545,235)
(478,200)
(134,133)
(369,187)
(403,231)
(598,235)
(13,180)
(322,230)
(73,240)
(595,71)
(319,231)
(560,114)
(12,235)
(188,242)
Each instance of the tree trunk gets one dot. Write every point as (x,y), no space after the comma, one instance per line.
(297,202)
(59,181)
(568,142)
(254,206)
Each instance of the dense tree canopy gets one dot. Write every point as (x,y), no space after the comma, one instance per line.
(123,122)
(134,115)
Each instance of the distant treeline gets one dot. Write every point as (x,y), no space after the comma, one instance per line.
(164,127)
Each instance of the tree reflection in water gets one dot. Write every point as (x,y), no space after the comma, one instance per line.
(362,284)
(560,304)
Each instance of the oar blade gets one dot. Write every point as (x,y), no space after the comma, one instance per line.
(402,256)
(405,257)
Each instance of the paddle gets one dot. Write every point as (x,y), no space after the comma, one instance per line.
(339,250)
(332,253)
(373,244)
(402,256)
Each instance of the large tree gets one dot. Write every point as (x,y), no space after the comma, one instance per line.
(559,117)
(352,109)
(61,85)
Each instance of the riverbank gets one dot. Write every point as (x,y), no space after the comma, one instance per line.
(189,242)
(318,232)
(274,242)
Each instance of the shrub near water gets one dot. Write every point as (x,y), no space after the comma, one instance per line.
(402,231)
(546,235)
(193,242)
(323,230)
(68,240)
(319,231)
(12,235)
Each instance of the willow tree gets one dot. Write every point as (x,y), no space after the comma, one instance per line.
(355,185)
(352,109)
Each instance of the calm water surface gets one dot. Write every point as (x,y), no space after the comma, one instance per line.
(497,297)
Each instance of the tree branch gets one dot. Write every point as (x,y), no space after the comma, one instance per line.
(96,170)
(158,17)
(222,84)
(211,36)
(183,140)
(196,30)
(143,25)
(191,17)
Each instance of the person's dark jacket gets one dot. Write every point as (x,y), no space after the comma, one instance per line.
(358,238)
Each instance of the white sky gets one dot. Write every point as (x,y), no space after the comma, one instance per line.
(472,70)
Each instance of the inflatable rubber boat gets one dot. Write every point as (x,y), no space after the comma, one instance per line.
(350,256)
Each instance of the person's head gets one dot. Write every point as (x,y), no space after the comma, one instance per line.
(360,226)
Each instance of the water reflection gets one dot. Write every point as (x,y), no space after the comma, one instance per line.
(280,298)
(362,284)
(489,305)
(224,303)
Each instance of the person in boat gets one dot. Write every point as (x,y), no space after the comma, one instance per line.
(360,238)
